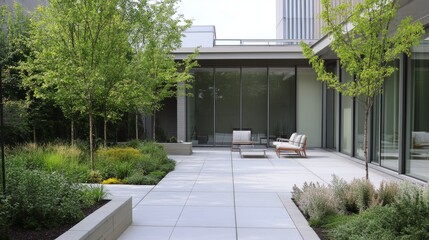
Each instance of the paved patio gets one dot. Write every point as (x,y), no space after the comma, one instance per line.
(215,194)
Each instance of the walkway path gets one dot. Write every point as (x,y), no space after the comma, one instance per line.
(215,194)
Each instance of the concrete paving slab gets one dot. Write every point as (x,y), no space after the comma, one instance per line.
(216,194)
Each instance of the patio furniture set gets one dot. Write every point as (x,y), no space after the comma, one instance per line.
(242,140)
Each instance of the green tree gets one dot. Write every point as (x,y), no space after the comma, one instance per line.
(157,32)
(366,45)
(80,49)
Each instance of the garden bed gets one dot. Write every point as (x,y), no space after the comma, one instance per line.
(182,148)
(108,222)
(49,234)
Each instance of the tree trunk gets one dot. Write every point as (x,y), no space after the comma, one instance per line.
(154,127)
(137,125)
(72,131)
(365,137)
(105,130)
(91,146)
(34,134)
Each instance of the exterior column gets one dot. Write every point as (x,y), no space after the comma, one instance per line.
(181,115)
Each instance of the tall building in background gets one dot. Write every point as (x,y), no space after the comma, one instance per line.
(298,19)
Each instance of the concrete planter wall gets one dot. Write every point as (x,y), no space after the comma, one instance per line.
(108,222)
(184,148)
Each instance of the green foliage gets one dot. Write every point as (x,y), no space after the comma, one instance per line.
(43,199)
(356,210)
(6,212)
(362,194)
(137,178)
(118,154)
(317,201)
(404,219)
(94,177)
(388,192)
(93,194)
(16,126)
(134,144)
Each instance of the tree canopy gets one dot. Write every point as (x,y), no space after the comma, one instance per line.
(90,56)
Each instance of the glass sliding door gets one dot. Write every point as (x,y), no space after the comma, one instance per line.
(200,106)
(227,104)
(282,102)
(389,135)
(417,161)
(224,99)
(359,130)
(255,101)
(346,118)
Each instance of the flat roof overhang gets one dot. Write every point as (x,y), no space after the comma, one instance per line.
(243,53)
(416,8)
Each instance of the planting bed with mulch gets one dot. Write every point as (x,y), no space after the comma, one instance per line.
(49,234)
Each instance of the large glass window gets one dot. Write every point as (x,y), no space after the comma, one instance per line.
(224,99)
(386,124)
(346,118)
(200,108)
(390,123)
(418,117)
(359,130)
(282,102)
(254,101)
(227,108)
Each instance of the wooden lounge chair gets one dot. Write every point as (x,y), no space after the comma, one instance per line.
(291,138)
(241,137)
(298,145)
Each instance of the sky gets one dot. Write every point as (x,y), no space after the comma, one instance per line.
(234,19)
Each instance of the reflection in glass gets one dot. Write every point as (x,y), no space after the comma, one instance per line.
(227,109)
(282,102)
(418,129)
(390,123)
(254,101)
(359,130)
(200,108)
(346,118)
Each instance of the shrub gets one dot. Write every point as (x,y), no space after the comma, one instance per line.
(43,199)
(118,154)
(366,225)
(93,194)
(134,144)
(136,178)
(6,210)
(387,193)
(94,177)
(317,201)
(362,194)
(122,169)
(112,181)
(341,190)
(405,218)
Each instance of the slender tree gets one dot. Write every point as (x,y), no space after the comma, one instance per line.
(363,37)
(156,34)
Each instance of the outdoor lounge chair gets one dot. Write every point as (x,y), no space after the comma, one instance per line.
(298,144)
(241,137)
(291,138)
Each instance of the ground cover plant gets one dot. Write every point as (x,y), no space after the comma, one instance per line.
(44,183)
(358,210)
